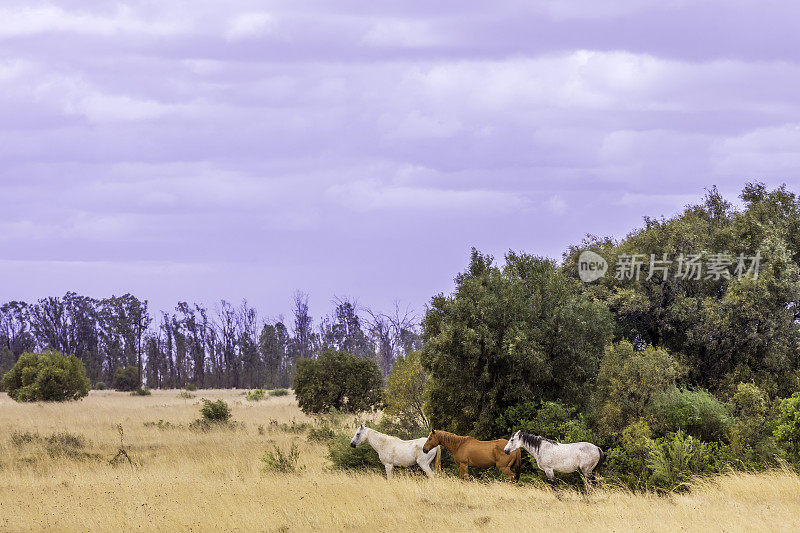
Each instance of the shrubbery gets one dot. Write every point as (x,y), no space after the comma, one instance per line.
(216,411)
(255,395)
(279,392)
(337,380)
(695,412)
(278,461)
(126,378)
(48,376)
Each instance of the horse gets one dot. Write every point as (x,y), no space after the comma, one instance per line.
(393,451)
(468,451)
(552,456)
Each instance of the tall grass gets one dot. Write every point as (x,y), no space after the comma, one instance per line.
(210,481)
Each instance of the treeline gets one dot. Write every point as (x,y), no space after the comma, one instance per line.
(222,347)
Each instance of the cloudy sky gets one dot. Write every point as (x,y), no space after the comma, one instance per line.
(197,150)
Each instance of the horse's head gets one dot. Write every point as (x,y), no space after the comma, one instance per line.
(358,438)
(514,442)
(432,442)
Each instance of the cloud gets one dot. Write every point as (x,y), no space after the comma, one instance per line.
(372,195)
(247,25)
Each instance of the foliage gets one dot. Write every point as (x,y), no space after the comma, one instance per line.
(695,412)
(405,392)
(186,395)
(217,411)
(279,392)
(48,376)
(141,391)
(506,335)
(678,457)
(191,388)
(345,457)
(255,395)
(628,381)
(787,433)
(553,420)
(278,461)
(100,385)
(337,380)
(126,378)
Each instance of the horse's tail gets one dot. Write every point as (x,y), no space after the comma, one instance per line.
(438,459)
(517,465)
(602,458)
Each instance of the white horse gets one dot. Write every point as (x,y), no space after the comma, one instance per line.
(397,452)
(552,456)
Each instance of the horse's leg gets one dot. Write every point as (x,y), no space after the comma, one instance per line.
(507,471)
(425,466)
(388,470)
(551,478)
(463,470)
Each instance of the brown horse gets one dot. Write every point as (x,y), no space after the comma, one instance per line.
(468,451)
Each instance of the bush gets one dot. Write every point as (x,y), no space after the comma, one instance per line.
(405,393)
(48,376)
(751,437)
(100,385)
(141,392)
(276,460)
(255,395)
(217,411)
(191,388)
(677,458)
(628,380)
(787,433)
(279,392)
(186,395)
(337,380)
(553,420)
(695,412)
(126,378)
(345,457)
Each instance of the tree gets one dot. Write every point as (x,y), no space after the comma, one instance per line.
(628,381)
(405,392)
(126,378)
(337,380)
(788,431)
(506,336)
(47,376)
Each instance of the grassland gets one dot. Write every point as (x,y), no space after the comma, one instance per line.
(208,481)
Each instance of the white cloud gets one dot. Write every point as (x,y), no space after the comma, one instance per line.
(403,33)
(50,18)
(770,151)
(371,195)
(248,25)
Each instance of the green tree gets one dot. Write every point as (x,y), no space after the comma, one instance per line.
(506,335)
(628,381)
(47,376)
(126,378)
(337,380)
(788,431)
(405,392)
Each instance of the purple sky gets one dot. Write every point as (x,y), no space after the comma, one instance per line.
(195,150)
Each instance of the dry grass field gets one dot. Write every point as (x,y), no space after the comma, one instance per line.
(209,481)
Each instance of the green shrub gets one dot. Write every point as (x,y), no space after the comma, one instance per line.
(345,457)
(553,420)
(216,411)
(695,412)
(322,433)
(255,395)
(48,376)
(186,395)
(787,432)
(141,392)
(191,388)
(677,458)
(100,385)
(752,444)
(338,380)
(627,462)
(126,378)
(279,392)
(277,461)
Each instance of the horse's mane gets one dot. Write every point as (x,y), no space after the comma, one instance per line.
(534,441)
(450,440)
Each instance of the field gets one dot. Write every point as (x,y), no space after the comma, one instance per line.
(184,479)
